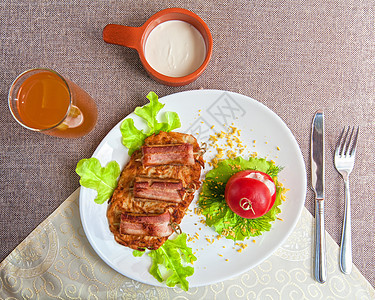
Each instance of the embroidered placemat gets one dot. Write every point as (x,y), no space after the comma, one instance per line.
(57,261)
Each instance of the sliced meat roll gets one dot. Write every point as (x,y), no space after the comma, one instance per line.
(152,225)
(179,154)
(170,190)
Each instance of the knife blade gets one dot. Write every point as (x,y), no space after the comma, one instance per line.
(317,182)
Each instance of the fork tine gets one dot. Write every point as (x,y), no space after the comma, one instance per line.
(343,145)
(339,145)
(348,141)
(354,145)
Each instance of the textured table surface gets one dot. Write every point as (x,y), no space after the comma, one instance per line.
(294,57)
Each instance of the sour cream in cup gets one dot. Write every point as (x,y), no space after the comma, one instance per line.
(175,48)
(174,45)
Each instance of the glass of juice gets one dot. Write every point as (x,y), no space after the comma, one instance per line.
(42,100)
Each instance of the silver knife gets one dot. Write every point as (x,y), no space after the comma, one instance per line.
(317,180)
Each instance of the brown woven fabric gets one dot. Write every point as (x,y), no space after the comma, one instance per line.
(293,56)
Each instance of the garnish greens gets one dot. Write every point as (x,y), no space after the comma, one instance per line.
(218,214)
(171,255)
(133,138)
(101,179)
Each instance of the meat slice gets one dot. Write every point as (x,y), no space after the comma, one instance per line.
(158,189)
(147,225)
(168,155)
(146,219)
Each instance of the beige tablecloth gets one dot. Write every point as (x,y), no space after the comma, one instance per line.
(57,261)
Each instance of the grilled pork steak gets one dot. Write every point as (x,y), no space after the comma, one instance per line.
(154,190)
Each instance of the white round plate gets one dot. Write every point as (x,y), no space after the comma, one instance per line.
(202,113)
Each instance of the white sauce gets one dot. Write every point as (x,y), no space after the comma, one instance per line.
(270,185)
(175,48)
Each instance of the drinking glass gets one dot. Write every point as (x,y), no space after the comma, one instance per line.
(44,101)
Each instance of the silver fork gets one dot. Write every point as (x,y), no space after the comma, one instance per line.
(344,162)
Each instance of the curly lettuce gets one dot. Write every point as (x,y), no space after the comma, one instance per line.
(215,209)
(172,255)
(133,138)
(101,179)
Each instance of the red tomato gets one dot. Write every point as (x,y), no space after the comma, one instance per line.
(250,193)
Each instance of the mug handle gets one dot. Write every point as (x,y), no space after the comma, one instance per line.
(123,35)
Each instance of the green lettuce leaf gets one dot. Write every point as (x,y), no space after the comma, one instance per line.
(133,138)
(101,179)
(150,111)
(172,121)
(217,212)
(172,255)
(137,253)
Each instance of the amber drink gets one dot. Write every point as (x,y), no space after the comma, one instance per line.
(42,100)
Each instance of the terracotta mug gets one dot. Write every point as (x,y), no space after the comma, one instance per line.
(136,37)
